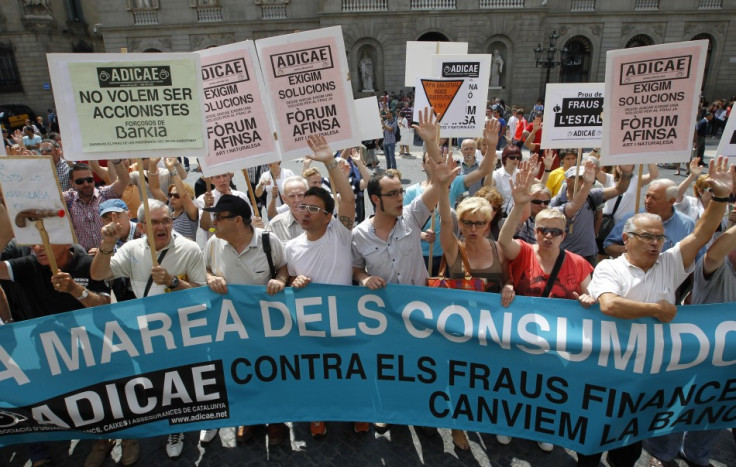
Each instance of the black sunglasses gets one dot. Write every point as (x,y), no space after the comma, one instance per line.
(540,201)
(550,230)
(82,180)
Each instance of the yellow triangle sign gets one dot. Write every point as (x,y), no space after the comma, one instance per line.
(440,94)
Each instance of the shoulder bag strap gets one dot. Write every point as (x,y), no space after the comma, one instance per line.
(553,274)
(150,278)
(615,206)
(266,240)
(464,256)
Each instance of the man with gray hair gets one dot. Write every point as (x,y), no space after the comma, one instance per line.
(659,199)
(180,266)
(642,283)
(286,224)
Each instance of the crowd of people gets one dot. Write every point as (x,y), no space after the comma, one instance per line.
(527,227)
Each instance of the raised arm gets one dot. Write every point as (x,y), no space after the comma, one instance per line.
(123,178)
(365,174)
(102,172)
(520,193)
(580,197)
(720,182)
(429,130)
(529,136)
(440,183)
(490,138)
(695,171)
(627,172)
(100,268)
(652,174)
(323,153)
(153,182)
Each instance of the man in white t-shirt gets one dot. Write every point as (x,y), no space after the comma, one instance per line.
(642,283)
(323,253)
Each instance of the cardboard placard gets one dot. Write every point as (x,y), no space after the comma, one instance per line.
(573,115)
(239,118)
(308,80)
(419,57)
(129,105)
(31,183)
(440,95)
(369,118)
(652,95)
(727,145)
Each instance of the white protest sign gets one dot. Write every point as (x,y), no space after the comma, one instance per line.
(369,118)
(30,183)
(572,115)
(652,95)
(727,145)
(239,116)
(307,79)
(419,57)
(129,105)
(466,115)
(440,94)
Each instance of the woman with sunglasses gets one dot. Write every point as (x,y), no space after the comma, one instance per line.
(532,265)
(180,197)
(485,257)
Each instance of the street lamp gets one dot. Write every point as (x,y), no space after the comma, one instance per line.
(545,57)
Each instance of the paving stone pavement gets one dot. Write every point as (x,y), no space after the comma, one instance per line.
(401,446)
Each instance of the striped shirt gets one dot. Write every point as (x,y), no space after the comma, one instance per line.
(86,216)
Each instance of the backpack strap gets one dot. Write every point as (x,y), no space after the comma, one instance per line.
(266,240)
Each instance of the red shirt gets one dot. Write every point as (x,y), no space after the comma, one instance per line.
(538,149)
(530,280)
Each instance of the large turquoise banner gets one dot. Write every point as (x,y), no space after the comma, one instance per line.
(542,369)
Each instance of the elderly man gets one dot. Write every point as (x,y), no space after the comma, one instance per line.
(83,201)
(642,282)
(236,254)
(115,210)
(180,266)
(468,147)
(322,253)
(659,199)
(286,224)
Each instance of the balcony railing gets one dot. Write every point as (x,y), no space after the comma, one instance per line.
(364,5)
(209,15)
(273,11)
(646,5)
(582,5)
(502,3)
(433,4)
(710,5)
(145,17)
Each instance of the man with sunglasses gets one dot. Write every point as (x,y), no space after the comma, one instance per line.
(642,283)
(322,253)
(83,201)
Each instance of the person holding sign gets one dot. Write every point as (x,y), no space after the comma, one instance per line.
(642,283)
(322,253)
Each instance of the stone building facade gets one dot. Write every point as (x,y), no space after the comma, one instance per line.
(380,30)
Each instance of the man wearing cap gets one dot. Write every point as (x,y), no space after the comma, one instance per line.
(580,208)
(115,210)
(209,199)
(236,255)
(180,266)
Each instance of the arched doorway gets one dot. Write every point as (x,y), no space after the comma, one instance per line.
(575,67)
(433,36)
(708,55)
(640,40)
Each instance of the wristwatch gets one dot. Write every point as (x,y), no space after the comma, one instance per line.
(85,294)
(174,283)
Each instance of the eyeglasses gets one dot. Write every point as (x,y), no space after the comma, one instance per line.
(80,181)
(155,222)
(647,237)
(312,209)
(540,201)
(174,195)
(514,158)
(393,194)
(478,224)
(550,230)
(218,216)
(45,150)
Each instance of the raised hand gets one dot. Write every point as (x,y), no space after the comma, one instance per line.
(548,159)
(490,134)
(537,123)
(170,163)
(720,178)
(355,156)
(524,181)
(534,163)
(695,168)
(428,128)
(589,172)
(320,148)
(442,173)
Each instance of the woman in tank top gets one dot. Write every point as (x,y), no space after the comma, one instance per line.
(181,201)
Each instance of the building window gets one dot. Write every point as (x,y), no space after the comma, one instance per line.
(432,4)
(576,67)
(9,76)
(640,40)
(273,9)
(208,11)
(145,12)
